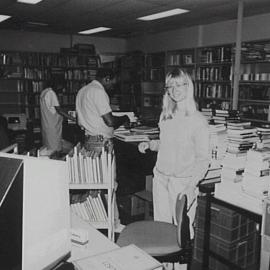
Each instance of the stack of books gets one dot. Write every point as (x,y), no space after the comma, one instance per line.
(218,141)
(220,116)
(241,136)
(130,136)
(213,175)
(224,116)
(256,177)
(208,113)
(264,135)
(145,130)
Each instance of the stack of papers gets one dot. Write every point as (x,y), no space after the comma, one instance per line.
(145,130)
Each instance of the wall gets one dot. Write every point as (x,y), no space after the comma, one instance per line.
(44,42)
(254,28)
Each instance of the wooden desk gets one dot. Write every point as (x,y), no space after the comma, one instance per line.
(235,200)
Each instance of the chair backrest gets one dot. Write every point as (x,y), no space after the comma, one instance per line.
(183,231)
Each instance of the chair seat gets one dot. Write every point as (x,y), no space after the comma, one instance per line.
(154,237)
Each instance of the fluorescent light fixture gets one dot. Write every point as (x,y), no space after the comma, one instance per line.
(38,23)
(4,17)
(94,30)
(32,2)
(163,14)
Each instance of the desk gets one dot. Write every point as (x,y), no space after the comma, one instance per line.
(98,242)
(233,198)
(132,167)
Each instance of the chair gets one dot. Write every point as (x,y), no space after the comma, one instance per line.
(166,242)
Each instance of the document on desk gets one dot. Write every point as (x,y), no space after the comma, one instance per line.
(124,258)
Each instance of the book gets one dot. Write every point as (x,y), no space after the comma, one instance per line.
(125,258)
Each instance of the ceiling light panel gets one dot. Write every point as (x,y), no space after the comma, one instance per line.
(32,2)
(4,17)
(94,30)
(163,14)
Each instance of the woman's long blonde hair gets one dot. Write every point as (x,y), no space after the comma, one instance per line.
(169,106)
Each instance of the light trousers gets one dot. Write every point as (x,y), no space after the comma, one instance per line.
(165,193)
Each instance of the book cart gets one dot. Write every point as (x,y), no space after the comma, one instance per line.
(91,184)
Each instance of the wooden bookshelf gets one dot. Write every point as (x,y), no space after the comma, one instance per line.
(23,76)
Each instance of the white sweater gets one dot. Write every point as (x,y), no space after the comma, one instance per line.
(184,146)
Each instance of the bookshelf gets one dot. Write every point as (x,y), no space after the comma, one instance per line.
(213,79)
(131,77)
(152,86)
(254,84)
(91,184)
(184,59)
(23,76)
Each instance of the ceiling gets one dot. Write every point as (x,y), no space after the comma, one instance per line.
(72,16)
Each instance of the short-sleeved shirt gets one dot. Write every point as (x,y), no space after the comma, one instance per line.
(92,102)
(51,121)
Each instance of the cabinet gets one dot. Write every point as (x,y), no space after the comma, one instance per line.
(91,178)
(254,84)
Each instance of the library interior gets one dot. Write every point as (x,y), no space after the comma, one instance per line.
(132,133)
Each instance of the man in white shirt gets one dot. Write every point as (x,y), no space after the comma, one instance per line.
(52,118)
(94,112)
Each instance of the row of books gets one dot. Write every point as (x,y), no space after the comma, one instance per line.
(219,73)
(216,55)
(180,59)
(91,208)
(87,167)
(47,59)
(80,74)
(213,90)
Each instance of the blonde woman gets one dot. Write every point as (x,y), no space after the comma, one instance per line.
(183,148)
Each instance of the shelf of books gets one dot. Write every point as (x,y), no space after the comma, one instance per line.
(254,84)
(214,76)
(184,59)
(23,76)
(91,184)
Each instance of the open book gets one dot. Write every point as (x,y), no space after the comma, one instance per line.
(124,258)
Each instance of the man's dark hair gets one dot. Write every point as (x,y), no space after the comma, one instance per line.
(105,72)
